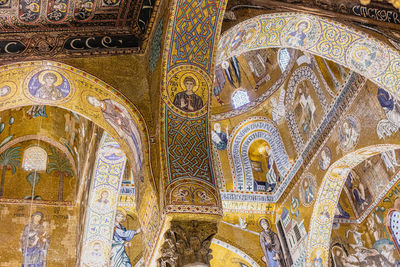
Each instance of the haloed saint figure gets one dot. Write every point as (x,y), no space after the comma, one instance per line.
(119,258)
(35,242)
(188,100)
(271,246)
(48,90)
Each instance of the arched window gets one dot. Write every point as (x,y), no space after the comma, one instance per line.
(284,58)
(35,159)
(240,98)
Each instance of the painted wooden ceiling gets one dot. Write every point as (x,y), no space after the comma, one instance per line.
(60,28)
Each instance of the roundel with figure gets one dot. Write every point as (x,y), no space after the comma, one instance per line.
(48,85)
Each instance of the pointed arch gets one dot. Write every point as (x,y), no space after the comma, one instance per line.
(239,143)
(328,197)
(26,84)
(320,36)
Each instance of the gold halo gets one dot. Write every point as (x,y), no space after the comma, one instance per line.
(57,83)
(196,87)
(102,191)
(268,220)
(355,57)
(123,211)
(64,7)
(35,8)
(296,27)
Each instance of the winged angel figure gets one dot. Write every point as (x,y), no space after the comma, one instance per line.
(391,108)
(278,109)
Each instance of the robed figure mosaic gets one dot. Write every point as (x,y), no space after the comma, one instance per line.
(120,119)
(35,242)
(271,246)
(119,257)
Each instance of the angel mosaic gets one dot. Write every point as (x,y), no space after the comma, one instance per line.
(120,119)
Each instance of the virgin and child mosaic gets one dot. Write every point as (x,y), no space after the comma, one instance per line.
(35,241)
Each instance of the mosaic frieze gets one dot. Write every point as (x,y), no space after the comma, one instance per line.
(325,38)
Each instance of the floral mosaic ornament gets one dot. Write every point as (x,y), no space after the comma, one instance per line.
(322,37)
(108,172)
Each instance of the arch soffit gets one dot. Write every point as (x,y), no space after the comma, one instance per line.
(251,128)
(323,37)
(20,79)
(328,197)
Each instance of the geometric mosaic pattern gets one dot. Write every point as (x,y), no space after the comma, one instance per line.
(188,59)
(187,148)
(194,31)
